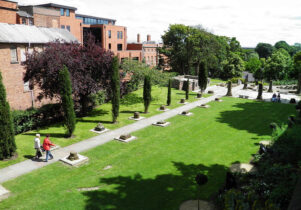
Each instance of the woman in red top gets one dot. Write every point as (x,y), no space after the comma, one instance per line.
(46,145)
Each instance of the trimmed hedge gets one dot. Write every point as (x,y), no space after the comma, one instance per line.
(36,118)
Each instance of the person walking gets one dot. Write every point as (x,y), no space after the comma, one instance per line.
(46,145)
(37,146)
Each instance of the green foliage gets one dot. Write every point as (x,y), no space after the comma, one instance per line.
(138,71)
(264,50)
(186,47)
(253,65)
(284,45)
(297,70)
(7,138)
(233,66)
(115,80)
(278,66)
(98,98)
(147,97)
(203,77)
(67,101)
(169,93)
(285,82)
(36,118)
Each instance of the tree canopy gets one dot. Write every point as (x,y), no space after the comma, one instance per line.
(264,50)
(88,65)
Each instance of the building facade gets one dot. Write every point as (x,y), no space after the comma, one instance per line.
(13,48)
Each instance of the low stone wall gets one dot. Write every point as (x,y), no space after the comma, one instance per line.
(178,82)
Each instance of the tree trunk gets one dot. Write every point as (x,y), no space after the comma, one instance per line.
(271,86)
(259,97)
(299,83)
(245,84)
(229,93)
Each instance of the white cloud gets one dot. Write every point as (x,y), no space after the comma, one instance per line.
(250,21)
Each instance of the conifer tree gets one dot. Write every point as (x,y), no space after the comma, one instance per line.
(115,82)
(67,101)
(147,97)
(169,93)
(7,138)
(203,77)
(187,89)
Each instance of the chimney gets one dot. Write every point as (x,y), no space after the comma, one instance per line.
(138,38)
(148,37)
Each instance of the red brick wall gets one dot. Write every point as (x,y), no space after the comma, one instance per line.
(8,16)
(7,4)
(75,24)
(13,81)
(46,21)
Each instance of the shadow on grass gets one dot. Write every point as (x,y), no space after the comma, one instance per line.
(256,116)
(131,112)
(97,112)
(190,94)
(95,121)
(165,191)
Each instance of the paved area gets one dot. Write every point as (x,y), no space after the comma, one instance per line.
(285,98)
(27,166)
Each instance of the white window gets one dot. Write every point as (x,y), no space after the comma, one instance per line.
(13,55)
(23,54)
(26,86)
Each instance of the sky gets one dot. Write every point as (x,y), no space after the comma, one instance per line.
(250,21)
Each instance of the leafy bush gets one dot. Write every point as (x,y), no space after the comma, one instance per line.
(36,118)
(98,98)
(285,82)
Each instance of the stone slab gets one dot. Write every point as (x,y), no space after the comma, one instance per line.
(99,132)
(136,119)
(205,107)
(162,125)
(163,110)
(82,159)
(189,114)
(127,140)
(4,193)
(183,103)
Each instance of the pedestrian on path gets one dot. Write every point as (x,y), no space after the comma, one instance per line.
(37,146)
(46,145)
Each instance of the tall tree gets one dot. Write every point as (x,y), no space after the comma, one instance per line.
(233,66)
(260,89)
(203,77)
(147,97)
(89,67)
(7,138)
(283,45)
(115,85)
(67,101)
(264,50)
(278,66)
(169,93)
(297,68)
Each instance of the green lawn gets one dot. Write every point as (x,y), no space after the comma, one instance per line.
(131,103)
(157,170)
(216,81)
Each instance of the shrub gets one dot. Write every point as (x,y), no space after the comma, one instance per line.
(98,98)
(7,138)
(147,97)
(115,85)
(36,118)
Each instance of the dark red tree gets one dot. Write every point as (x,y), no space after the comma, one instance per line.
(89,67)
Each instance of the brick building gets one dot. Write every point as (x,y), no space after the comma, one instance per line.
(15,40)
(60,22)
(8,12)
